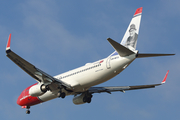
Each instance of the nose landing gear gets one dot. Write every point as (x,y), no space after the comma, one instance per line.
(27,111)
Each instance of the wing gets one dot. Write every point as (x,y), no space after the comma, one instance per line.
(33,71)
(124,88)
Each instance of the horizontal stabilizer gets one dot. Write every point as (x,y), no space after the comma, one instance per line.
(122,51)
(141,55)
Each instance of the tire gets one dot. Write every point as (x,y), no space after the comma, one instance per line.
(63,95)
(89,100)
(27,111)
(85,99)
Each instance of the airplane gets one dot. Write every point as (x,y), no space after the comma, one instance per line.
(81,81)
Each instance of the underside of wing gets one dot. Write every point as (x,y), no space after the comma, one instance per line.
(33,71)
(124,88)
(120,88)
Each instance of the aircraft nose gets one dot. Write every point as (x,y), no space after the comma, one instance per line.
(21,99)
(27,100)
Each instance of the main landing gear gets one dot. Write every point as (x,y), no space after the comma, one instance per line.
(87,98)
(61,94)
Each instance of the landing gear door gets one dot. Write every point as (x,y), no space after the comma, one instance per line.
(108,64)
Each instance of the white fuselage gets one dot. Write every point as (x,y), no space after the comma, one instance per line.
(82,78)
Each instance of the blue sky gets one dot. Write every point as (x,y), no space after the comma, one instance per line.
(57,36)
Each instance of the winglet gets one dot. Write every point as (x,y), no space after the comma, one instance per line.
(8,43)
(164,80)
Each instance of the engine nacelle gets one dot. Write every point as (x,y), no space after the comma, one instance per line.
(78,99)
(37,90)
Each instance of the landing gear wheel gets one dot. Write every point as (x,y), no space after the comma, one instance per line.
(62,95)
(27,111)
(85,99)
(89,100)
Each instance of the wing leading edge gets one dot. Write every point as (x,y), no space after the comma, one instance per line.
(33,71)
(124,88)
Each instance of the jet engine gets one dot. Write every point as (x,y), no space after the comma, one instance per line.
(82,98)
(37,90)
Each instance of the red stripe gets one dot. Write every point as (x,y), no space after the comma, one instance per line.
(101,61)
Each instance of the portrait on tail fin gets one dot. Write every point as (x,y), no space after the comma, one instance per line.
(132,39)
(131,35)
